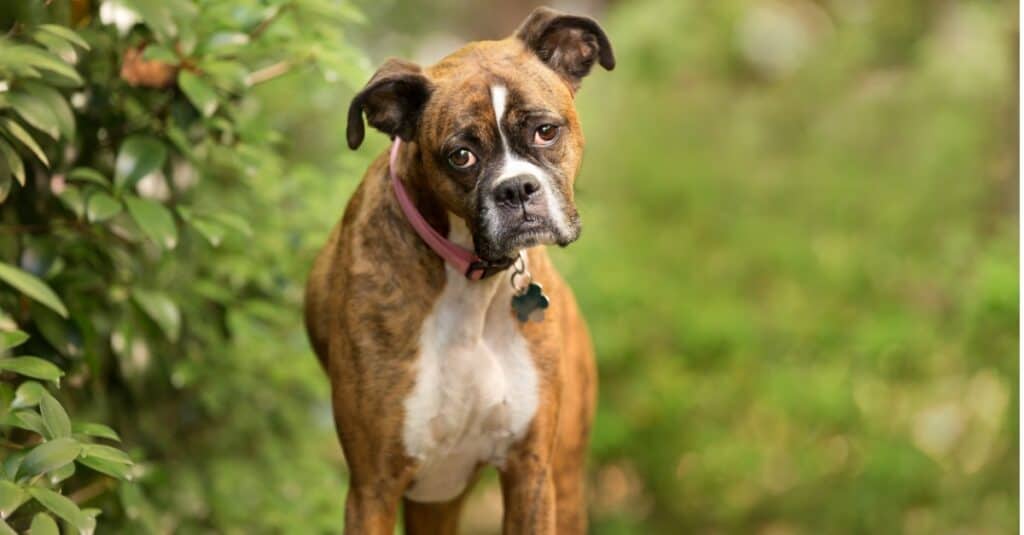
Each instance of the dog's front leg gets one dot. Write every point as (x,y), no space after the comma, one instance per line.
(371,508)
(527,484)
(529,496)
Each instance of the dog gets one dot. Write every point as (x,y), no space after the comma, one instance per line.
(449,339)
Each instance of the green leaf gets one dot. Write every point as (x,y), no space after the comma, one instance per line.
(11,497)
(16,132)
(157,15)
(65,33)
(224,43)
(6,529)
(28,420)
(49,456)
(40,60)
(12,462)
(64,508)
(43,524)
(161,309)
(31,286)
(107,453)
(35,112)
(28,395)
(110,461)
(61,474)
(34,367)
(111,468)
(57,105)
(138,157)
(229,76)
(85,174)
(6,183)
(234,222)
(12,339)
(71,197)
(155,220)
(180,141)
(95,430)
(212,231)
(54,416)
(60,333)
(54,44)
(101,207)
(14,162)
(202,96)
(160,53)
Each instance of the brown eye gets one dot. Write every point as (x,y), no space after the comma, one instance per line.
(461,158)
(545,134)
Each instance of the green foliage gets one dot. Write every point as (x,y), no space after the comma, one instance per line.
(47,451)
(802,283)
(131,162)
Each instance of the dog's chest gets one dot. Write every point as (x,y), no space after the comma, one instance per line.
(475,391)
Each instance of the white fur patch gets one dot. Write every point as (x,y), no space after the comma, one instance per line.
(514,166)
(499,98)
(476,385)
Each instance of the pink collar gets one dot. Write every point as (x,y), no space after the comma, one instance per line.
(463,260)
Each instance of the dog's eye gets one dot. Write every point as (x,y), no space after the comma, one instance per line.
(545,134)
(461,158)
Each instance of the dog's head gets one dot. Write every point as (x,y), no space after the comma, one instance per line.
(495,129)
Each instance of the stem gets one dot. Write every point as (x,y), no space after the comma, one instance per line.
(270,72)
(91,490)
(265,23)
(14,446)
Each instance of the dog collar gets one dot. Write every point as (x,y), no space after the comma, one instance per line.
(463,260)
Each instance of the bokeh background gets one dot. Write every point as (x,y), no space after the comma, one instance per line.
(799,259)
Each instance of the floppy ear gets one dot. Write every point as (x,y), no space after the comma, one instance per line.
(393,100)
(567,43)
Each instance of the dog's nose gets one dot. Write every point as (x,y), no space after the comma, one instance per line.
(516,190)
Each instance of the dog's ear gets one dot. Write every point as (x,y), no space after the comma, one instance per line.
(569,44)
(392,100)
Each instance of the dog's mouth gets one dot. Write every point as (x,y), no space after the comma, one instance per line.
(526,234)
(531,235)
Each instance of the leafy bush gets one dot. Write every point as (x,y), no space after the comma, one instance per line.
(132,167)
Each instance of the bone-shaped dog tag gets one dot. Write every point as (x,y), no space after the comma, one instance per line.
(530,304)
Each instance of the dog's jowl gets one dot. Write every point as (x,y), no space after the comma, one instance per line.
(450,341)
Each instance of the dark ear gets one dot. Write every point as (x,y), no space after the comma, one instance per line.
(393,100)
(567,43)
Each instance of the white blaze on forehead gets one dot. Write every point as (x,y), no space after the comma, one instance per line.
(499,97)
(513,166)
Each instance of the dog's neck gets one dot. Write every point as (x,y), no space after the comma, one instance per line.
(418,188)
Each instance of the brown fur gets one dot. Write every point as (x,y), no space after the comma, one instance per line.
(375,281)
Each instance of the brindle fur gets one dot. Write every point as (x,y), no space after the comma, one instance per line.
(375,281)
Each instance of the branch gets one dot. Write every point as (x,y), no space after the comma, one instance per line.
(14,446)
(265,23)
(91,490)
(269,72)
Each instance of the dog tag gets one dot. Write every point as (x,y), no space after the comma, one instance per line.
(530,304)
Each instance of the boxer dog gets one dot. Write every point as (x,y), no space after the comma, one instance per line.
(449,339)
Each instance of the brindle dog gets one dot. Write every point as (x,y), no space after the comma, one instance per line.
(432,375)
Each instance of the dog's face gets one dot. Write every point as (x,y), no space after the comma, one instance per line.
(495,128)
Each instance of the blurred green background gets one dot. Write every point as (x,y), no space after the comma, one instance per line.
(799,265)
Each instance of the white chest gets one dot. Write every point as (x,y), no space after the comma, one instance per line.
(476,387)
